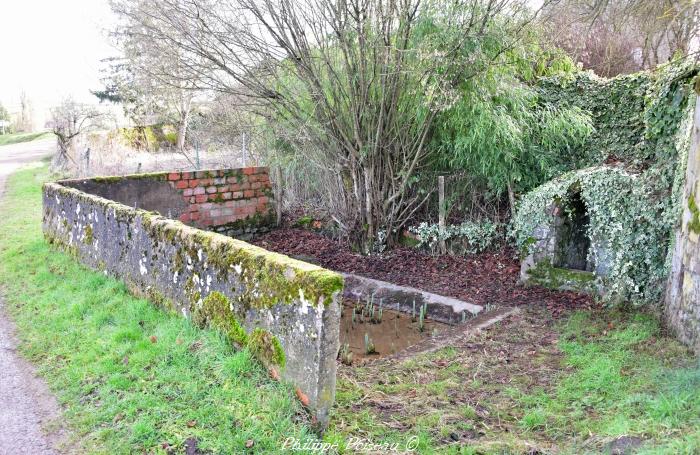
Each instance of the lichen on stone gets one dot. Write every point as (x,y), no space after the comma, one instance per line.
(88,239)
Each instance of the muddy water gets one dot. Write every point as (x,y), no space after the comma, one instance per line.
(395,332)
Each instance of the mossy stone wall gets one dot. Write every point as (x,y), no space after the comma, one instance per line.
(286,311)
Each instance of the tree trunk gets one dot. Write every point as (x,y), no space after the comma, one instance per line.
(182,130)
(511,199)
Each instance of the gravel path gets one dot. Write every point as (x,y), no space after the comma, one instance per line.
(26,404)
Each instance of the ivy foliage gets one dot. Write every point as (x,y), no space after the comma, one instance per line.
(474,237)
(629,173)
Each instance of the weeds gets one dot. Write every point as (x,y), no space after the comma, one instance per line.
(369,345)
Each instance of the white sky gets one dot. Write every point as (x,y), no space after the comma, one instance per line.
(52,48)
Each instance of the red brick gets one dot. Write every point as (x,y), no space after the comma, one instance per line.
(235,187)
(222,188)
(206,182)
(174,176)
(248,193)
(201,198)
(194,183)
(185,217)
(230,204)
(232,179)
(255,186)
(194,207)
(186,175)
(194,216)
(211,189)
(245,186)
(240,211)
(181,185)
(187,192)
(263,200)
(249,170)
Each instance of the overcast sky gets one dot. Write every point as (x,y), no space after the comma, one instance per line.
(51,48)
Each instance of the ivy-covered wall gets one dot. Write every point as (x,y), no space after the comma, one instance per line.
(286,311)
(642,129)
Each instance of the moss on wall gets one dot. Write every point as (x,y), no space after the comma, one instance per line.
(88,235)
(216,312)
(545,274)
(266,347)
(694,223)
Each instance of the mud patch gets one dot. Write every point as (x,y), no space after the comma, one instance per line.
(373,332)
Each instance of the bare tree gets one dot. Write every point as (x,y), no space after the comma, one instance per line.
(25,120)
(623,36)
(362,80)
(69,120)
(148,79)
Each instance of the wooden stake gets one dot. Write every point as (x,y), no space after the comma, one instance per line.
(278,194)
(441,211)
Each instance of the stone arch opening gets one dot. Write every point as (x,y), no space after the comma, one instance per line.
(573,242)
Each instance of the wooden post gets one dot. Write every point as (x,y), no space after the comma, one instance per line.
(441,212)
(278,193)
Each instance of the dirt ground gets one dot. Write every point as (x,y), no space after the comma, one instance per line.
(465,394)
(489,278)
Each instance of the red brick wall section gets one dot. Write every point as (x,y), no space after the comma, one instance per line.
(224,196)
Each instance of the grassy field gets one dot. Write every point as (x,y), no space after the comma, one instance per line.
(133,379)
(7,139)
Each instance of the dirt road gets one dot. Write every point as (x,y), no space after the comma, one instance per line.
(26,405)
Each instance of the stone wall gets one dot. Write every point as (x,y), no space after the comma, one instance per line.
(229,201)
(682,309)
(286,311)
(544,262)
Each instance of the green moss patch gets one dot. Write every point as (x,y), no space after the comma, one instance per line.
(88,235)
(266,347)
(694,223)
(216,313)
(545,274)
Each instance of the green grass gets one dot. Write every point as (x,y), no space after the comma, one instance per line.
(123,391)
(16,138)
(625,379)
